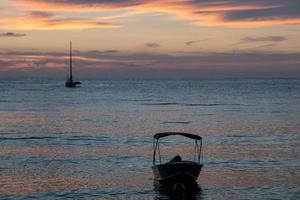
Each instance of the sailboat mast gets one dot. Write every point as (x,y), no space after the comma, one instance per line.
(71,75)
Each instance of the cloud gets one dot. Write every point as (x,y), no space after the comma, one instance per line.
(232,13)
(40,20)
(255,12)
(152,45)
(41,14)
(14,61)
(79,5)
(96,52)
(12,34)
(145,65)
(279,11)
(263,39)
(191,42)
(267,45)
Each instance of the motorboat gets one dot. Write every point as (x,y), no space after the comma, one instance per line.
(177,171)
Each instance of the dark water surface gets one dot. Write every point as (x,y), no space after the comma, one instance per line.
(95,142)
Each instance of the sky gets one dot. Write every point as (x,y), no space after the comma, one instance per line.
(150,39)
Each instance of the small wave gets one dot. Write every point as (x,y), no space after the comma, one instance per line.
(27,138)
(279,111)
(241,136)
(30,90)
(83,140)
(191,104)
(201,104)
(160,104)
(212,104)
(176,122)
(137,100)
(86,138)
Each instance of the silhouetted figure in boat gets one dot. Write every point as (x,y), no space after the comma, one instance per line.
(176,159)
(69,81)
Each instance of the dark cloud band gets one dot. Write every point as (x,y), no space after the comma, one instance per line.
(12,34)
(98,63)
(152,45)
(263,39)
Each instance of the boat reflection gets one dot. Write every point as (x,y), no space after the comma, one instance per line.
(177,192)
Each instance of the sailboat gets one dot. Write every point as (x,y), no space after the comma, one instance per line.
(69,82)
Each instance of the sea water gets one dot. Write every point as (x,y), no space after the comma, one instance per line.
(95,142)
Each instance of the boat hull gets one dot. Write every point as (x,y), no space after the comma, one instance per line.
(71,83)
(177,172)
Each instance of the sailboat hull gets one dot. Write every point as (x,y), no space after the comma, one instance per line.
(71,84)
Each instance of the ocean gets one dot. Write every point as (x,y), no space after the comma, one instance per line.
(95,142)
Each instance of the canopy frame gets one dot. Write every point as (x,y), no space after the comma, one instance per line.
(198,154)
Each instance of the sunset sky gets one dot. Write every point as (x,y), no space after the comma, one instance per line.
(149,39)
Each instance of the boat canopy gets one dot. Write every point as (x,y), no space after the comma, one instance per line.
(165,134)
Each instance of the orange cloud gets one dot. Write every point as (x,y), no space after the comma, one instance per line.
(47,21)
(214,14)
(198,13)
(78,6)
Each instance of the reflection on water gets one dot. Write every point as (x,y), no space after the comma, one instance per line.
(95,142)
(191,192)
